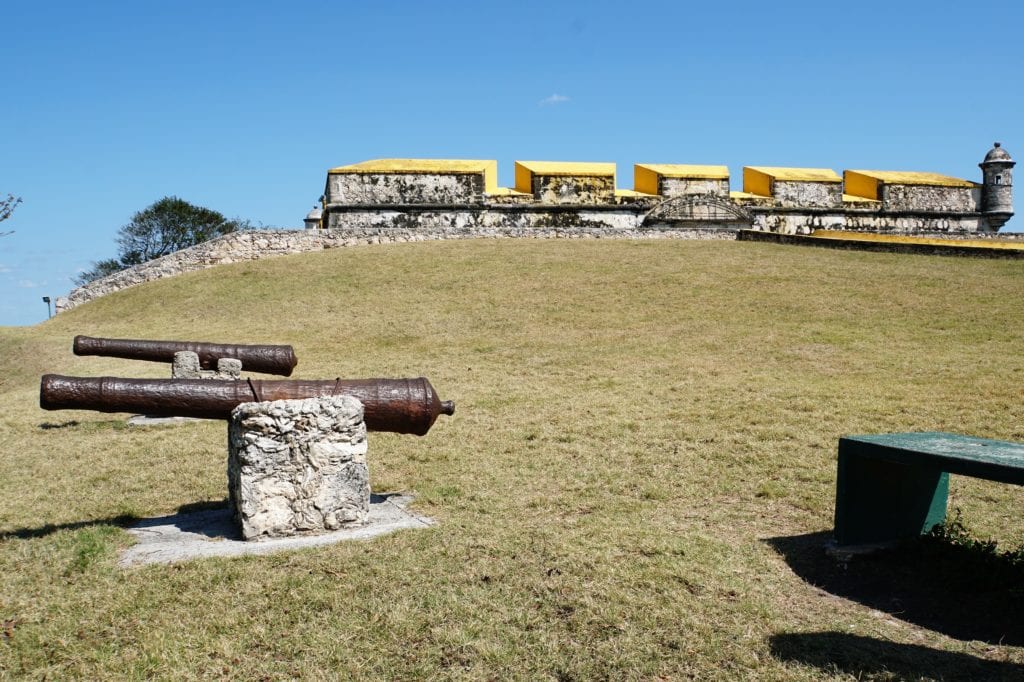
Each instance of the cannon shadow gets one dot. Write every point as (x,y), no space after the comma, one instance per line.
(122,520)
(954,590)
(211,518)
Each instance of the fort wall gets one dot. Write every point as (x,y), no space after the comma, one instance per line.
(408,200)
(419,193)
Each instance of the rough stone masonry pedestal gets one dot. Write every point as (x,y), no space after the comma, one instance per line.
(298,466)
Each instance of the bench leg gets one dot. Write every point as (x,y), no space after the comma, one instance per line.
(880,502)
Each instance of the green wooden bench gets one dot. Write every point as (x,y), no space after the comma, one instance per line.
(895,485)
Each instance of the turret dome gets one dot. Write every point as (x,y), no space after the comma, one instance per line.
(997,153)
(314,218)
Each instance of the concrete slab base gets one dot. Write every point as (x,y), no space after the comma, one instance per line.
(213,533)
(143,420)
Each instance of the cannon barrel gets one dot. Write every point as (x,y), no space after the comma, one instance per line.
(394,405)
(266,359)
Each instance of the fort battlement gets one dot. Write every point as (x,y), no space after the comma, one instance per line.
(461,194)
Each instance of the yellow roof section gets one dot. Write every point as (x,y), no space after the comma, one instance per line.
(488,168)
(914,178)
(567,168)
(682,170)
(798,174)
(525,170)
(418,166)
(630,193)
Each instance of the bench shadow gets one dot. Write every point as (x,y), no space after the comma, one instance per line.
(954,590)
(840,652)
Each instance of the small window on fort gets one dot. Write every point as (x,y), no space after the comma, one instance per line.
(999,179)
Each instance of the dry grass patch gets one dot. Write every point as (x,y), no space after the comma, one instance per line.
(637,421)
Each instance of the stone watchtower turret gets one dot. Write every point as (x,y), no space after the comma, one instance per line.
(997,187)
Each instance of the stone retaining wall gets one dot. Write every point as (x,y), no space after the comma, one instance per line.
(256,244)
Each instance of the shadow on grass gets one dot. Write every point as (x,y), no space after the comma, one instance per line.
(88,426)
(947,588)
(49,426)
(122,520)
(839,652)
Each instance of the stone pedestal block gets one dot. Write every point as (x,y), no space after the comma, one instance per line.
(298,466)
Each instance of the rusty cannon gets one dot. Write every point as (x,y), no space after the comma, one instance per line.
(266,359)
(393,405)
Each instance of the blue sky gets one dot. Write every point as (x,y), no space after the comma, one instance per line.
(106,107)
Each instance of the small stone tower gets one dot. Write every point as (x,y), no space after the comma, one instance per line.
(997,187)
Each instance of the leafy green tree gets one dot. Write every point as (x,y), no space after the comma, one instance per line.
(166,226)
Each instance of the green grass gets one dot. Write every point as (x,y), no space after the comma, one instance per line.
(638,425)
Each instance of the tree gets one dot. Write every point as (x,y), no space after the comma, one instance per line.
(7,208)
(166,226)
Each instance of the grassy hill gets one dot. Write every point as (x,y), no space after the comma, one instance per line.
(636,485)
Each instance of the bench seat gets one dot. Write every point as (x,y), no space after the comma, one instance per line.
(896,485)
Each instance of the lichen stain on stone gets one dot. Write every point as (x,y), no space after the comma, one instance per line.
(809,194)
(412,189)
(934,199)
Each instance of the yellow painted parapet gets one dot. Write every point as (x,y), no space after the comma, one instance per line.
(855,199)
(910,239)
(508,192)
(646,176)
(487,168)
(867,183)
(797,174)
(526,170)
(747,196)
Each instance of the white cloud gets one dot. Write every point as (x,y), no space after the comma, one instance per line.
(30,284)
(553,99)
(5,268)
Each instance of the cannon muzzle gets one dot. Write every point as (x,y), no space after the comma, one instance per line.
(393,405)
(266,359)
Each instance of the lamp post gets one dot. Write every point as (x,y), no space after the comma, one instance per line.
(46,300)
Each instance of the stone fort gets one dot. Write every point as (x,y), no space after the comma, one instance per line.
(411,200)
(464,195)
